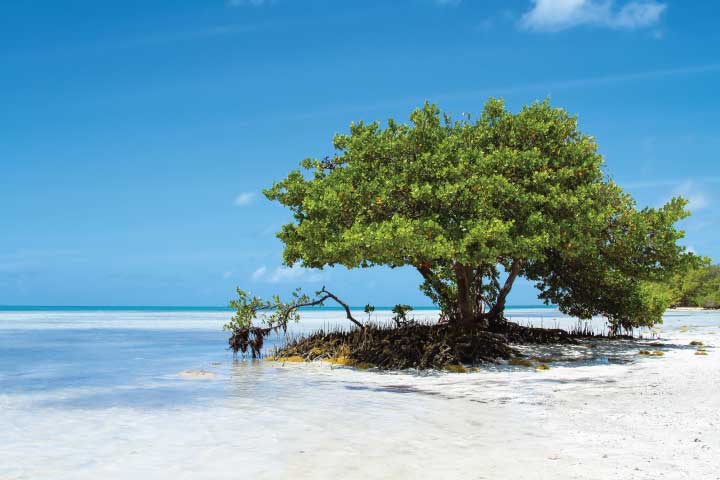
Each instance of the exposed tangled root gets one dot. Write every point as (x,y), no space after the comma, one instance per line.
(416,345)
(520,334)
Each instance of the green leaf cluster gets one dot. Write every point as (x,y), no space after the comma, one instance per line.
(272,314)
(473,204)
(695,287)
(400,312)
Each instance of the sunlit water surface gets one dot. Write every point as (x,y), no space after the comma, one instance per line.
(97,394)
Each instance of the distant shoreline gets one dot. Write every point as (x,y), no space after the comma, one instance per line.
(170,309)
(140,308)
(691,309)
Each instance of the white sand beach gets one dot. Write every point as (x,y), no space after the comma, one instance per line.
(613,414)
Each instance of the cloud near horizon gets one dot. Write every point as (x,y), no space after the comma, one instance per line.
(557,15)
(246,3)
(258,3)
(694,194)
(285,274)
(244,198)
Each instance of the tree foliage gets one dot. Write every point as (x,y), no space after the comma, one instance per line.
(255,317)
(473,204)
(694,287)
(701,288)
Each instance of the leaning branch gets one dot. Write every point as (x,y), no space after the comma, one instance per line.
(345,306)
(252,337)
(433,280)
(286,313)
(505,290)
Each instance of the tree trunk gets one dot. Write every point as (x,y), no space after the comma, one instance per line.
(495,315)
(465,304)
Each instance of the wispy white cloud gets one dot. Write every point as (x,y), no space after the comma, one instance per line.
(698,201)
(637,15)
(159,39)
(697,225)
(244,198)
(547,88)
(24,261)
(247,3)
(540,88)
(271,229)
(678,185)
(556,15)
(294,274)
(259,273)
(694,194)
(285,274)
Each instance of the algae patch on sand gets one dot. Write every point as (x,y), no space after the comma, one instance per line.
(290,359)
(653,353)
(455,369)
(520,362)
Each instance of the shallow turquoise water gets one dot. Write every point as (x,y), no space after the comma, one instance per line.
(87,393)
(57,350)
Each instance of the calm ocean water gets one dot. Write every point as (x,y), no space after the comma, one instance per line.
(53,349)
(95,393)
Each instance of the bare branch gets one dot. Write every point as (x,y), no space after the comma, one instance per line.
(505,290)
(345,306)
(245,335)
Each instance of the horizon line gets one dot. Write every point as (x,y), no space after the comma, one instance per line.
(209,307)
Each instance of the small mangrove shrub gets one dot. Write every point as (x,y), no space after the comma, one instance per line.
(272,315)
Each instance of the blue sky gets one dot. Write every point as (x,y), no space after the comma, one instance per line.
(135,136)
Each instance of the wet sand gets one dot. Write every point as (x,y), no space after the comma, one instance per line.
(601,411)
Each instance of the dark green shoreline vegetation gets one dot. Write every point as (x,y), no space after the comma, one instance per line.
(472,205)
(401,343)
(695,287)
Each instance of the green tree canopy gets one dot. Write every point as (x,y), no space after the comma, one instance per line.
(475,204)
(697,287)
